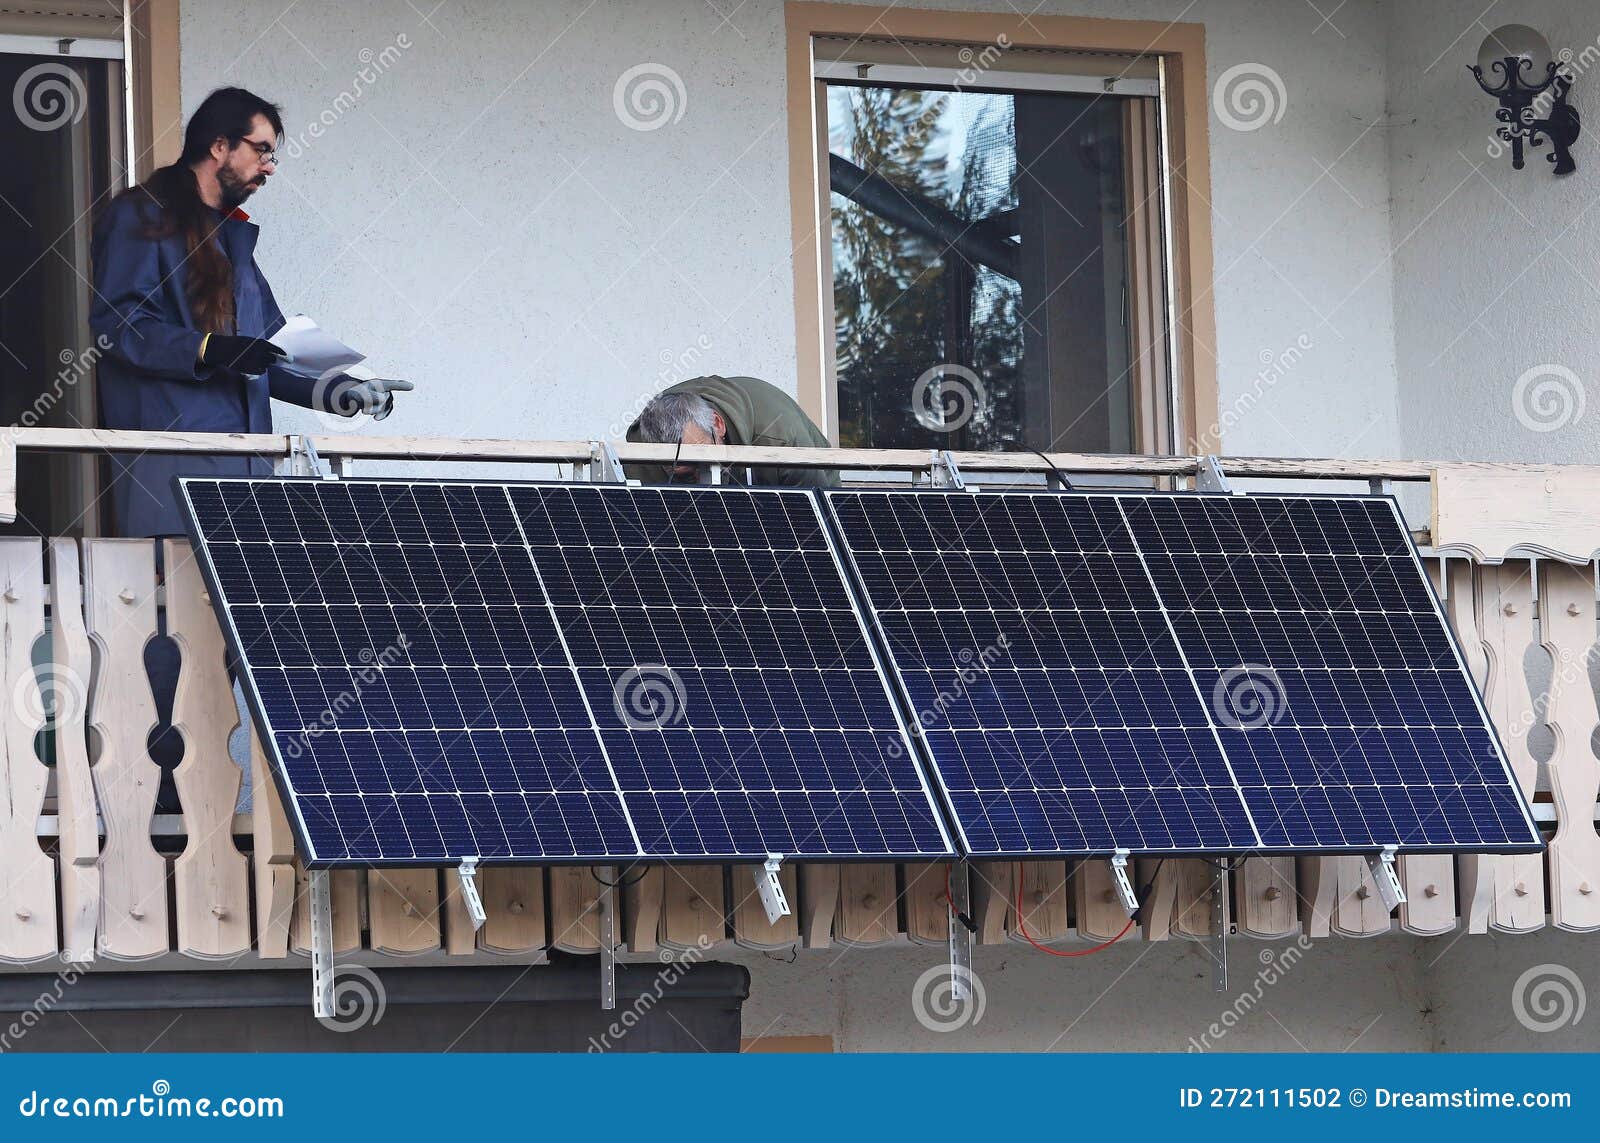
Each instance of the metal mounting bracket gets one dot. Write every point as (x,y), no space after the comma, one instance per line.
(604,464)
(1124,887)
(1219,929)
(1387,877)
(470,894)
(321,894)
(1209,477)
(960,935)
(944,472)
(606,904)
(770,889)
(1381,486)
(303,459)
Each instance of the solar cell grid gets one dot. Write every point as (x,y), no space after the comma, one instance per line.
(1180,672)
(774,730)
(1053,697)
(1357,725)
(442,669)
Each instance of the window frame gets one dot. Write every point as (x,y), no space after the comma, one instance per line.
(1180,50)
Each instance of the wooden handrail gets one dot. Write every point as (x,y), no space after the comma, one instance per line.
(356,447)
(548,451)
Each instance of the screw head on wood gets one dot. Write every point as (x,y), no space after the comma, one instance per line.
(1363,893)
(1430,891)
(136,913)
(24,915)
(126,595)
(1522,888)
(1272,893)
(1574,609)
(408,909)
(1509,609)
(11,595)
(515,906)
(867,901)
(220,912)
(1586,889)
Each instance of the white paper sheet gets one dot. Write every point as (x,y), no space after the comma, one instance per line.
(311,349)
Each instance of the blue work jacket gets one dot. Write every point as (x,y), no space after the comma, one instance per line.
(150,376)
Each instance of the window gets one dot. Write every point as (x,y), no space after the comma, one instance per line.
(62,135)
(980,261)
(998,264)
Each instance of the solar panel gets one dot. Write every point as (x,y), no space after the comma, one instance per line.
(735,685)
(548,672)
(1177,673)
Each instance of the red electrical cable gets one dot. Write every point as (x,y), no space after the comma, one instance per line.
(1022,926)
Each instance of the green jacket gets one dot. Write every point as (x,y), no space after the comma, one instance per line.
(756,413)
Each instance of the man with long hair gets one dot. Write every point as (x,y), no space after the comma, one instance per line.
(186,313)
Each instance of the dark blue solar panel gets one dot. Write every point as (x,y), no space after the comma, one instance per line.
(733,682)
(1150,671)
(1052,696)
(444,670)
(1339,697)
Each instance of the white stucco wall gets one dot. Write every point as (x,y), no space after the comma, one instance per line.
(1495,273)
(480,219)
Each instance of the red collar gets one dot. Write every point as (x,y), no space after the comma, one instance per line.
(238,212)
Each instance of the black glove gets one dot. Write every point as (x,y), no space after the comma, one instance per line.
(250,355)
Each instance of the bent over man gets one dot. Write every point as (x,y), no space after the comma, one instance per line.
(734,411)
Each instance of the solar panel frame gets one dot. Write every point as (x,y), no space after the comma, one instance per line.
(1535,844)
(268,735)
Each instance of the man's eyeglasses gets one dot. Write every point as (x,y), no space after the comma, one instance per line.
(264,153)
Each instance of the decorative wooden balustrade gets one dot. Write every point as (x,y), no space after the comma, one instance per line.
(91,872)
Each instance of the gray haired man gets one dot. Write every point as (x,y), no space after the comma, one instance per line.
(734,411)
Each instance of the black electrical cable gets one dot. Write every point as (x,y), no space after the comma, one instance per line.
(621,882)
(1059,475)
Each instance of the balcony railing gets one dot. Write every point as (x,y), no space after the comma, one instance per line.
(92,872)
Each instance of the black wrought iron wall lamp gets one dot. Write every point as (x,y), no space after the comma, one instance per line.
(1516,66)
